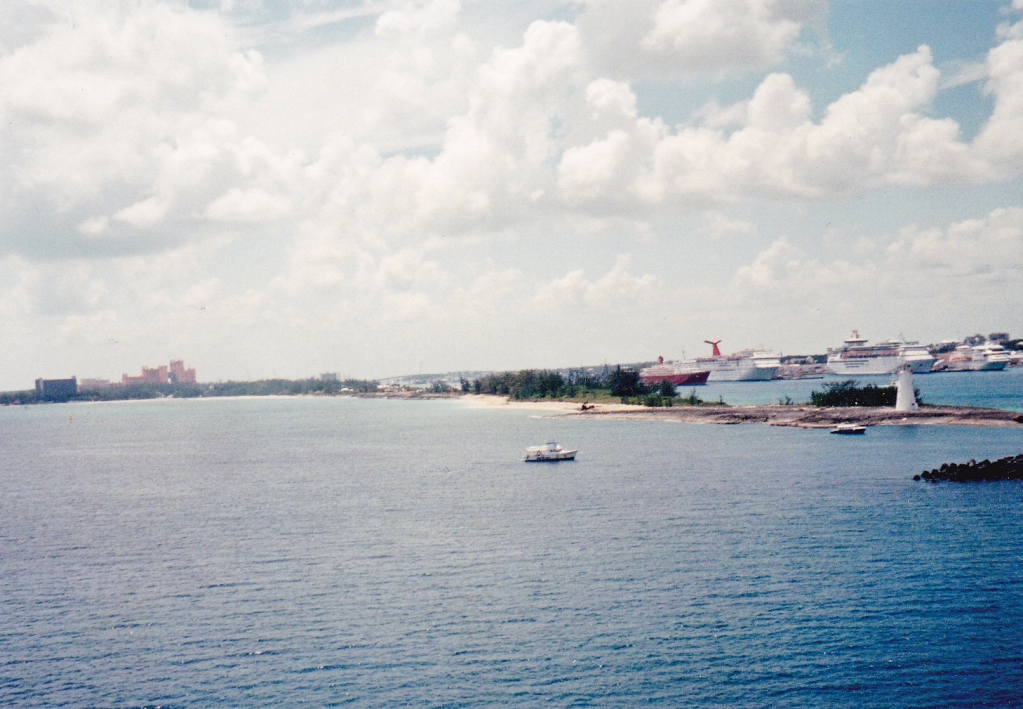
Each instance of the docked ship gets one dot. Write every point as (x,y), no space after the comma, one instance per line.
(856,357)
(917,357)
(987,357)
(680,373)
(742,366)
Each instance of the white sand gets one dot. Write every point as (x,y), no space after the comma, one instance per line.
(487,401)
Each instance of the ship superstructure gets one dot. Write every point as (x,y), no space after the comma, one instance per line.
(856,357)
(916,356)
(742,366)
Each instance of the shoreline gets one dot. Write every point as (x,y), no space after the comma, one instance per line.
(796,416)
(821,417)
(489,401)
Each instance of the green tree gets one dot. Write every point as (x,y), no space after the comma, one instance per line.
(848,394)
(625,382)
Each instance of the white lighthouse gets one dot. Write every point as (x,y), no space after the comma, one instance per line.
(905,400)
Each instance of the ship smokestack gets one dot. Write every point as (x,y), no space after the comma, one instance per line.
(716,352)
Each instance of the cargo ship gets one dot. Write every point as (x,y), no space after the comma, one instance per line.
(680,373)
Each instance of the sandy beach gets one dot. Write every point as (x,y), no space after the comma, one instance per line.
(488,401)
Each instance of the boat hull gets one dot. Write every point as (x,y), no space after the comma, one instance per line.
(920,366)
(678,378)
(550,457)
(854,366)
(742,374)
(996,366)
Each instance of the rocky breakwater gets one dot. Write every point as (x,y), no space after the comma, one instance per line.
(1008,468)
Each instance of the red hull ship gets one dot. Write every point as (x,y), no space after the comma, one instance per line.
(678,373)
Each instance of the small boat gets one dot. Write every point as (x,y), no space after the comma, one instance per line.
(849,429)
(549,452)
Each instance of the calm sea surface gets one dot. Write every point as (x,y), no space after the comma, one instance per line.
(327,552)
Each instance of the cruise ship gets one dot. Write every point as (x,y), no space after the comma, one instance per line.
(856,357)
(917,356)
(680,373)
(742,366)
(987,357)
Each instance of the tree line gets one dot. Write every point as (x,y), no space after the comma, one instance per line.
(546,384)
(847,393)
(262,387)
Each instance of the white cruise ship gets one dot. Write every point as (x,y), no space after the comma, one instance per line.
(743,366)
(856,357)
(987,357)
(917,357)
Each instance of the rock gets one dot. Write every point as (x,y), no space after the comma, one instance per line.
(1008,468)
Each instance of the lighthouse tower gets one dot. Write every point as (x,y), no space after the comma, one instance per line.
(905,400)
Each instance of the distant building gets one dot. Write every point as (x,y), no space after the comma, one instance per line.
(180,375)
(329,377)
(95,384)
(56,389)
(998,337)
(156,375)
(175,374)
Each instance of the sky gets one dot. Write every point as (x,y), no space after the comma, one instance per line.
(375,188)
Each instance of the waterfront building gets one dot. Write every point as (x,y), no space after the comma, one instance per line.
(175,374)
(56,389)
(95,384)
(156,375)
(180,375)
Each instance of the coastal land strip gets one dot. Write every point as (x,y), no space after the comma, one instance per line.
(813,417)
(774,415)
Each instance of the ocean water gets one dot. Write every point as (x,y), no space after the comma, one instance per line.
(342,552)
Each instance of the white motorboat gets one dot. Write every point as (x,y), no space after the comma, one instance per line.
(550,452)
(849,429)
